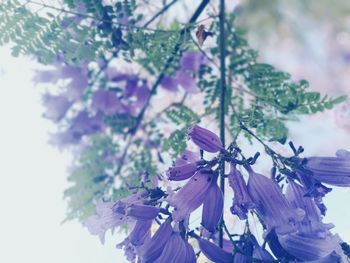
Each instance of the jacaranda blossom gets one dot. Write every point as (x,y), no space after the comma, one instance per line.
(205,139)
(331,170)
(112,214)
(192,194)
(189,65)
(271,205)
(184,167)
(241,200)
(214,252)
(212,208)
(56,106)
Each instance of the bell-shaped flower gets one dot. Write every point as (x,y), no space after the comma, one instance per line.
(212,208)
(56,106)
(312,221)
(113,214)
(153,249)
(205,139)
(309,248)
(184,167)
(176,250)
(191,195)
(331,170)
(138,236)
(181,172)
(270,203)
(213,252)
(241,200)
(107,102)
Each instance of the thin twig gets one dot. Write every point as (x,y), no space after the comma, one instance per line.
(167,65)
(162,11)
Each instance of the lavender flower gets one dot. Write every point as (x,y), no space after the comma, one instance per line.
(310,248)
(184,167)
(107,102)
(56,106)
(139,235)
(213,252)
(271,204)
(113,214)
(311,222)
(153,249)
(212,208)
(205,139)
(331,170)
(189,64)
(192,195)
(241,200)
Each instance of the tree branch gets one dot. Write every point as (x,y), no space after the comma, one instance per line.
(222,47)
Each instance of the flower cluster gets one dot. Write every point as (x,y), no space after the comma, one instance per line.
(292,221)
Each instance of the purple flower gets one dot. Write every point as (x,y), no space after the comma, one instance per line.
(153,249)
(181,172)
(331,170)
(106,102)
(105,219)
(139,235)
(311,222)
(213,252)
(176,250)
(56,106)
(271,205)
(310,248)
(205,139)
(212,208)
(112,214)
(189,64)
(241,200)
(191,195)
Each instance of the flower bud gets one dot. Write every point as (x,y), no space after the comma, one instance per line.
(205,139)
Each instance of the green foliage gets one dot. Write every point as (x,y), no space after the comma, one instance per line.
(90,178)
(120,123)
(182,115)
(175,145)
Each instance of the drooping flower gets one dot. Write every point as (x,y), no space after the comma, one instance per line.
(213,252)
(184,167)
(271,205)
(153,249)
(112,214)
(191,195)
(212,208)
(139,235)
(107,102)
(189,65)
(176,250)
(56,106)
(310,248)
(241,200)
(331,170)
(205,139)
(312,221)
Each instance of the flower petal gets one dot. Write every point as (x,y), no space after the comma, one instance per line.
(212,208)
(271,205)
(205,139)
(191,195)
(242,200)
(213,252)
